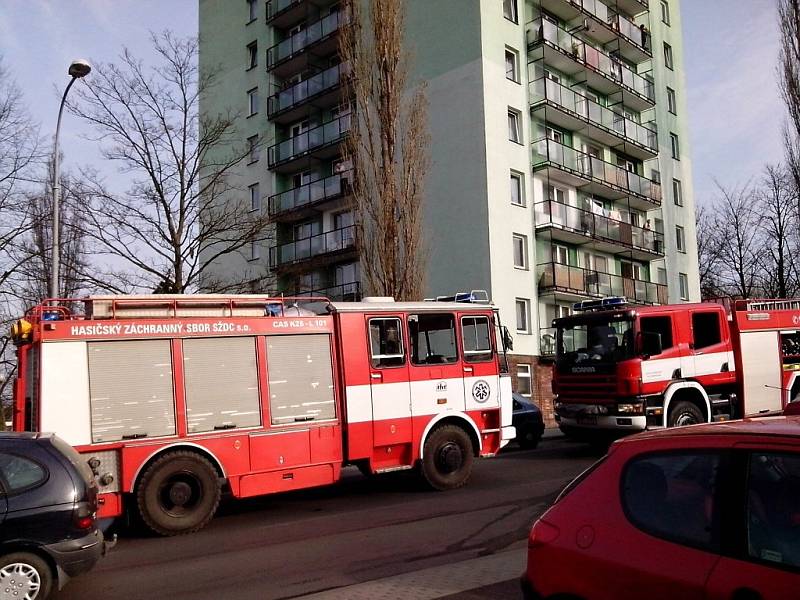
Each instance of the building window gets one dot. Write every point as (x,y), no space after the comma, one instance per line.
(668,56)
(520,251)
(252,10)
(672,104)
(524,380)
(665,11)
(510,10)
(517,189)
(514,132)
(683,280)
(252,102)
(255,250)
(252,55)
(523,313)
(255,197)
(680,240)
(255,153)
(677,192)
(512,65)
(676,148)
(662,276)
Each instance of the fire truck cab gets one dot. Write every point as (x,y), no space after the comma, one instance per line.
(171,398)
(620,368)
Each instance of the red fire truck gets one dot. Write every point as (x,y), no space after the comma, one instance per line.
(620,368)
(172,398)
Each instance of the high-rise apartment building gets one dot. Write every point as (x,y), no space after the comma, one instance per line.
(559,151)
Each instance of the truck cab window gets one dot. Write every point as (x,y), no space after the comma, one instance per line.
(477,343)
(661,326)
(386,343)
(705,326)
(433,339)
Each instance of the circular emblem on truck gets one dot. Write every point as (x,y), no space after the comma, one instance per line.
(481,391)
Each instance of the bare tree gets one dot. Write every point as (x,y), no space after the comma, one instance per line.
(182,211)
(387,145)
(778,206)
(737,224)
(708,253)
(19,151)
(789,78)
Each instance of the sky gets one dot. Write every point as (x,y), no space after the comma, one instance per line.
(730,53)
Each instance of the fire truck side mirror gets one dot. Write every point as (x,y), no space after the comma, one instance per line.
(508,341)
(651,344)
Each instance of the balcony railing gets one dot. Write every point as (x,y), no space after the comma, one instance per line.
(628,29)
(316,85)
(304,38)
(345,292)
(328,188)
(542,30)
(547,341)
(327,133)
(589,167)
(600,226)
(591,111)
(276,7)
(586,282)
(316,245)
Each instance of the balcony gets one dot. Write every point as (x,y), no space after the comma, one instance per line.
(571,55)
(346,292)
(282,13)
(318,39)
(605,26)
(574,225)
(594,175)
(302,201)
(547,342)
(633,7)
(324,248)
(575,112)
(318,91)
(320,143)
(576,283)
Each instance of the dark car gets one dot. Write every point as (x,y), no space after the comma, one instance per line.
(708,511)
(527,419)
(48,504)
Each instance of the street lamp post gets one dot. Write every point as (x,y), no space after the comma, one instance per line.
(78,68)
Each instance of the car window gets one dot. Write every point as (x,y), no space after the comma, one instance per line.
(671,496)
(386,342)
(477,343)
(773,508)
(433,339)
(20,473)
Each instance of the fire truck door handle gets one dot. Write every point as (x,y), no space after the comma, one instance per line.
(468,369)
(376,376)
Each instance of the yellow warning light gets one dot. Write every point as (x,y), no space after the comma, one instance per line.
(21,331)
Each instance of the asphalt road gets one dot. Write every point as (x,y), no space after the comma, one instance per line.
(360,530)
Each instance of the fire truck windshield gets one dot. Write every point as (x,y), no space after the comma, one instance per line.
(594,342)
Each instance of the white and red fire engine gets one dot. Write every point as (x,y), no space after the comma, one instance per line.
(620,368)
(171,398)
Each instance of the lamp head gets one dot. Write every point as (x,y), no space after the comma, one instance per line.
(79,68)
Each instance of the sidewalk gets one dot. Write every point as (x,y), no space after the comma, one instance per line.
(435,582)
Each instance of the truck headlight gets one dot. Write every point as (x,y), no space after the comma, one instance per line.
(634,408)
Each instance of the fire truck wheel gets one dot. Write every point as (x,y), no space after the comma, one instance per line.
(178,493)
(448,457)
(684,413)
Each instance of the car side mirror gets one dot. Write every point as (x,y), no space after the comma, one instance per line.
(651,344)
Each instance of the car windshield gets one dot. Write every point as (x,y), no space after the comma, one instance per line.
(594,342)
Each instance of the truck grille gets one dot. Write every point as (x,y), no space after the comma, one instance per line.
(587,388)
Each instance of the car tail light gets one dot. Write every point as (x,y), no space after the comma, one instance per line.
(83,516)
(542,533)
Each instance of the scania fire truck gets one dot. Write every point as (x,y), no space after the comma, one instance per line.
(173,398)
(620,368)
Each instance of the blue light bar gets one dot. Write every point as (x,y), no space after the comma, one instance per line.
(604,304)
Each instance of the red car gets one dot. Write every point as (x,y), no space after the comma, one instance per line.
(707,511)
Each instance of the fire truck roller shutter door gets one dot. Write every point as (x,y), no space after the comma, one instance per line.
(65,404)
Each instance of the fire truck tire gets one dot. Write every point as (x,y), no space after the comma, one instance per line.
(684,413)
(447,458)
(29,572)
(178,493)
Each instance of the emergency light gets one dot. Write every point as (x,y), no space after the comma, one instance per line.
(603,304)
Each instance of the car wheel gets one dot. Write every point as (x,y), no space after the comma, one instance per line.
(528,439)
(684,413)
(25,576)
(447,458)
(178,493)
